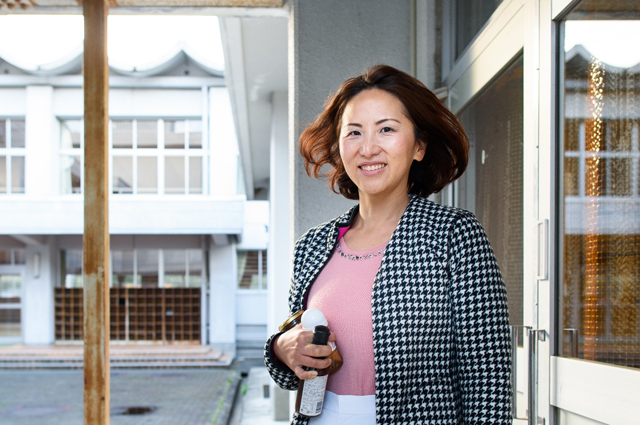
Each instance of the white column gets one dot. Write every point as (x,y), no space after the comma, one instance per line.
(280,234)
(223,147)
(41,148)
(37,294)
(223,275)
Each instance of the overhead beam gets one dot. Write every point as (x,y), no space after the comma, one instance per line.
(96,214)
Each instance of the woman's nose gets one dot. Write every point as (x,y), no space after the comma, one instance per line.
(369,146)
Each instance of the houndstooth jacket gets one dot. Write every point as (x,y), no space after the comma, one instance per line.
(440,322)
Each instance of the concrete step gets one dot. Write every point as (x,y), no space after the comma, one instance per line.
(136,357)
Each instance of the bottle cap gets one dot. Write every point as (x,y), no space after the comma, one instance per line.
(312,318)
(291,321)
(321,335)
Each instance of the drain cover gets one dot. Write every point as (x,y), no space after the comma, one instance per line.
(132,410)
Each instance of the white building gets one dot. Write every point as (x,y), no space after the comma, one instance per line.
(184,237)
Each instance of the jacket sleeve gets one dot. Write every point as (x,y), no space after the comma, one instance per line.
(284,377)
(481,326)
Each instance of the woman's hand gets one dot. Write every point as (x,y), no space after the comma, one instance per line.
(294,348)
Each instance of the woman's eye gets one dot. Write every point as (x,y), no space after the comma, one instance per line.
(386,129)
(353,133)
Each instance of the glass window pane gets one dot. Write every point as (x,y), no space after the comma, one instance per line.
(492,184)
(122,265)
(71,268)
(195,134)
(70,174)
(471,15)
(174,174)
(71,134)
(601,224)
(175,268)
(3,174)
(122,134)
(148,268)
(19,256)
(196,266)
(5,257)
(248,269)
(3,133)
(122,174)
(195,174)
(147,133)
(17,134)
(10,293)
(17,174)
(174,134)
(147,174)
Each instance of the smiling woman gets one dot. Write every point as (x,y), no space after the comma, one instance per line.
(411,289)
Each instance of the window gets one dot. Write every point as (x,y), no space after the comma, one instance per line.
(157,156)
(252,269)
(12,156)
(150,156)
(12,257)
(493,182)
(71,158)
(600,240)
(141,268)
(464,20)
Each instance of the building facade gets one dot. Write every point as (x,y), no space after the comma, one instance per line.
(187,247)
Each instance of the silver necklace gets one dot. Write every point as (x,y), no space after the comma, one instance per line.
(359,257)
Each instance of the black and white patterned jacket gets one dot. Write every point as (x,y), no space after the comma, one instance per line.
(440,322)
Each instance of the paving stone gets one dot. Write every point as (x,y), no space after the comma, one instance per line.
(55,397)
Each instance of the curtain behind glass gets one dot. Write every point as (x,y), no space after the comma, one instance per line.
(492,184)
(600,279)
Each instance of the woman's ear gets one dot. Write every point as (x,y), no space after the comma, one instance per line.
(421,149)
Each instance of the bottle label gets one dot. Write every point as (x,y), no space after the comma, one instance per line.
(313,395)
(333,346)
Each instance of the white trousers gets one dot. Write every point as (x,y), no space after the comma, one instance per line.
(346,410)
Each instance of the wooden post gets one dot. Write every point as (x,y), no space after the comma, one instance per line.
(96,214)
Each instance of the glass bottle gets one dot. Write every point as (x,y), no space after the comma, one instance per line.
(310,397)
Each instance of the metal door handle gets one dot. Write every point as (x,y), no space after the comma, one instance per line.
(573,348)
(532,338)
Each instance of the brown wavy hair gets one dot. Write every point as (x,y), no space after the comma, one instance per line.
(447,146)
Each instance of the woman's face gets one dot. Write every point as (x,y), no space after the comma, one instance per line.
(377,143)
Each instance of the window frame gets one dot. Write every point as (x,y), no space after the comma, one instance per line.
(9,152)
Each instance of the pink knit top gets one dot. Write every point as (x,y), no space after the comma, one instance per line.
(342,292)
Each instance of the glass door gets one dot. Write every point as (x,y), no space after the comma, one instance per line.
(10,305)
(596,369)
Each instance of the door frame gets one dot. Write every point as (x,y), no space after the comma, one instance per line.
(578,391)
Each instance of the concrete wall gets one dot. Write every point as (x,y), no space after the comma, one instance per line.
(330,41)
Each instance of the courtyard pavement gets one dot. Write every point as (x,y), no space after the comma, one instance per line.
(176,396)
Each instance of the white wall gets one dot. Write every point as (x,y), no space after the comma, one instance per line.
(41,143)
(37,294)
(13,102)
(223,265)
(139,215)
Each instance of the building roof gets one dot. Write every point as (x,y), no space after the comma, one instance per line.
(179,60)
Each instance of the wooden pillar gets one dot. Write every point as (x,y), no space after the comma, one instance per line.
(96,214)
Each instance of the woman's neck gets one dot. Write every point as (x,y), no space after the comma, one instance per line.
(375,213)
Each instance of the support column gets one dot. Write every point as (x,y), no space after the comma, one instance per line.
(223,275)
(330,41)
(280,234)
(96,209)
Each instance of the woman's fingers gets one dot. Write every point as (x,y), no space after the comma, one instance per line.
(302,373)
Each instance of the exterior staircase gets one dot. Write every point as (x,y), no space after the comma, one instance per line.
(121,357)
